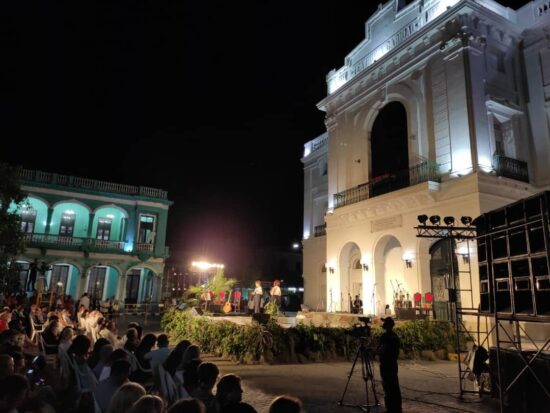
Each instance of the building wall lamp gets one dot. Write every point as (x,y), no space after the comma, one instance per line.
(365,267)
(408,263)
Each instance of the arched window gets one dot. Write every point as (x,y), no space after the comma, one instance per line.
(390,149)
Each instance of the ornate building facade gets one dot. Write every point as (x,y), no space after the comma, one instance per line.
(104,238)
(443,109)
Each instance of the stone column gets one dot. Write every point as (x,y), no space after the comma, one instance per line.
(90,224)
(48,221)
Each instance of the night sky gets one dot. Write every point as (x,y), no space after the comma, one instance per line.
(211,101)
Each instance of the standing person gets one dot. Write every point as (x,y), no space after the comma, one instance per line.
(276,293)
(85,301)
(388,352)
(258,293)
(32,275)
(357,305)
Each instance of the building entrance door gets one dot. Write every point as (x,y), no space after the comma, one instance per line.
(132,287)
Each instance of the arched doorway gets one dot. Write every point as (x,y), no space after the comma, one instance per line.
(441,269)
(351,283)
(101,283)
(141,284)
(389,273)
(390,150)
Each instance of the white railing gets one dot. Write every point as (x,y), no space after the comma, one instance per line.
(111,245)
(87,183)
(144,247)
(55,239)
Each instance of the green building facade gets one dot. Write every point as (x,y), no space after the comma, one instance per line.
(99,237)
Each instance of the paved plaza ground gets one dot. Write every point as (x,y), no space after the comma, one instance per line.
(426,386)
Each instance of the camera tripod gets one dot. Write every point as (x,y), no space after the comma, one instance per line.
(367,371)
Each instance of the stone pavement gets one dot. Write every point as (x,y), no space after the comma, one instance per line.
(426,386)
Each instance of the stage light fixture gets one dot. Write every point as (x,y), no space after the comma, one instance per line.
(466,220)
(449,220)
(434,219)
(423,219)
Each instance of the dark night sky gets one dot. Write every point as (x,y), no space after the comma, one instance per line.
(211,101)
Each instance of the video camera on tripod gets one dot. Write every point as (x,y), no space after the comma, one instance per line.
(362,329)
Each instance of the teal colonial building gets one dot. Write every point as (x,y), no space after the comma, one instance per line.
(99,237)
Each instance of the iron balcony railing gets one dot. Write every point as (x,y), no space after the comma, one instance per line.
(320,230)
(423,172)
(32,176)
(511,168)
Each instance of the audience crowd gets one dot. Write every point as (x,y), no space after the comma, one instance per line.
(56,361)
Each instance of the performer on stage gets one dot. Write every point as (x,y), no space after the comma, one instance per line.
(258,293)
(357,305)
(276,293)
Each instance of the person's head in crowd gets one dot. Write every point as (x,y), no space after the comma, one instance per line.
(13,392)
(190,375)
(148,404)
(120,371)
(81,309)
(7,365)
(229,390)
(191,353)
(101,322)
(118,354)
(16,325)
(176,355)
(125,397)
(147,343)
(5,316)
(86,403)
(80,346)
(285,404)
(138,328)
(105,353)
(98,345)
(66,335)
(53,328)
(111,326)
(241,407)
(207,374)
(187,406)
(36,405)
(52,316)
(162,341)
(132,336)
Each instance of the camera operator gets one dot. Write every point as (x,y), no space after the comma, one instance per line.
(388,352)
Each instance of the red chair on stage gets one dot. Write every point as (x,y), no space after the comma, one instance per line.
(428,300)
(417,300)
(237,301)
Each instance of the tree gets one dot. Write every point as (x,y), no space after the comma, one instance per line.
(215,284)
(12,240)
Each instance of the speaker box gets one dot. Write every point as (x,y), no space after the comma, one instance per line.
(196,311)
(261,318)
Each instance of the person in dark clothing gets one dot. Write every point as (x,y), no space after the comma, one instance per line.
(32,275)
(388,352)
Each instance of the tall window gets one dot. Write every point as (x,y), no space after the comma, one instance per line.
(146,229)
(132,287)
(96,285)
(28,219)
(60,277)
(66,228)
(104,228)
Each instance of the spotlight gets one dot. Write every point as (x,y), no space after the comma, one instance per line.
(466,221)
(449,220)
(422,219)
(434,219)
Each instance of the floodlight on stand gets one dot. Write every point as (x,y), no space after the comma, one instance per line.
(423,219)
(434,219)
(466,220)
(449,221)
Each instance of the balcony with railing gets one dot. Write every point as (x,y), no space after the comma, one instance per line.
(423,172)
(511,168)
(73,243)
(320,230)
(32,177)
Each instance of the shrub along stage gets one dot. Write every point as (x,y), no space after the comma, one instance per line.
(272,343)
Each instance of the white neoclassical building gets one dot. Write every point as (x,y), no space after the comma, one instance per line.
(443,109)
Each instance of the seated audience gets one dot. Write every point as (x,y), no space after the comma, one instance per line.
(190,376)
(125,397)
(187,406)
(7,366)
(13,393)
(228,391)
(148,404)
(93,359)
(50,336)
(104,355)
(207,374)
(285,404)
(66,339)
(175,357)
(132,340)
(103,393)
(241,407)
(160,355)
